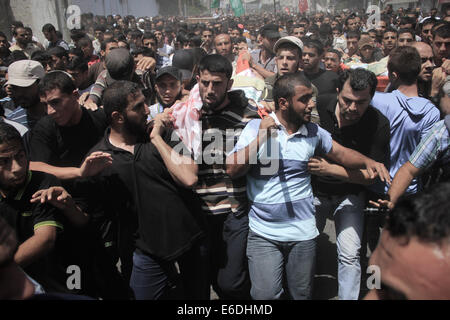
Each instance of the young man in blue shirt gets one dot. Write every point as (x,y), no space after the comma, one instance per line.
(281,218)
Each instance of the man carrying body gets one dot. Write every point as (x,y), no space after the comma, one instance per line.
(282,224)
(355,124)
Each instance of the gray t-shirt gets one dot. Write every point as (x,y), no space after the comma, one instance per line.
(270,64)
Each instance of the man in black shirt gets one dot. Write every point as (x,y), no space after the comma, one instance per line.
(146,191)
(37,225)
(60,141)
(324,80)
(355,124)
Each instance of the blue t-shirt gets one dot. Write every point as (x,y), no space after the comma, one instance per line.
(279,184)
(410,119)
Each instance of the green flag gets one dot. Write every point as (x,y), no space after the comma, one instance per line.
(237,7)
(215,4)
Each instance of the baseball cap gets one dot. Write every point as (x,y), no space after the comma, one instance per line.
(24,73)
(289,39)
(183,60)
(141,20)
(174,72)
(119,63)
(365,42)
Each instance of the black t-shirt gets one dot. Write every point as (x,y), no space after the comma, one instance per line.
(325,81)
(66,146)
(153,213)
(24,217)
(369,136)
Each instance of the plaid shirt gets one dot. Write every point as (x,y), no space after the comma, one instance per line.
(434,147)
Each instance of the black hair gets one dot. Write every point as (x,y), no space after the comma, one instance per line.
(389,29)
(284,87)
(360,79)
(9,134)
(77,64)
(146,52)
(100,27)
(57,80)
(105,43)
(310,43)
(353,34)
(84,42)
(410,31)
(42,57)
(424,215)
(215,63)
(48,28)
(443,32)
(407,72)
(58,51)
(115,97)
(77,52)
(339,54)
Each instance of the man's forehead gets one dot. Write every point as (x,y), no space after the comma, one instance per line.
(9,148)
(212,76)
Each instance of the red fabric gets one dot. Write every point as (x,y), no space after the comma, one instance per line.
(302,6)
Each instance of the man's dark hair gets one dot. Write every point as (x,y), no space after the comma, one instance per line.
(424,215)
(443,32)
(360,79)
(115,97)
(429,21)
(76,35)
(100,27)
(389,29)
(339,54)
(105,43)
(314,44)
(135,34)
(284,87)
(77,64)
(57,80)
(215,63)
(353,34)
(337,28)
(41,56)
(408,20)
(410,31)
(58,52)
(84,42)
(48,28)
(149,35)
(146,52)
(350,17)
(17,24)
(76,52)
(9,134)
(407,72)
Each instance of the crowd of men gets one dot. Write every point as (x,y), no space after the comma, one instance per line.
(102,196)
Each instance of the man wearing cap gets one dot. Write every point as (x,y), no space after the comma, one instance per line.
(168,88)
(367,51)
(288,52)
(23,81)
(263,60)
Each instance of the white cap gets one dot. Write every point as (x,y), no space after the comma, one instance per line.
(24,73)
(289,39)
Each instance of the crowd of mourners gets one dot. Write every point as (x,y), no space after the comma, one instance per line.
(152,158)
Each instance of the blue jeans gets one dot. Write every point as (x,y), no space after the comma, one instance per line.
(154,279)
(348,212)
(274,263)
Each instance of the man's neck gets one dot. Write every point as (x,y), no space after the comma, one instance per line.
(291,128)
(121,139)
(313,70)
(265,55)
(409,90)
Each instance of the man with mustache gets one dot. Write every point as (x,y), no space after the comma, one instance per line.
(355,124)
(424,81)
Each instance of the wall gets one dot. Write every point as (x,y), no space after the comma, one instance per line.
(136,8)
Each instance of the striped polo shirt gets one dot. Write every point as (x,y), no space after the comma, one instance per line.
(279,184)
(221,130)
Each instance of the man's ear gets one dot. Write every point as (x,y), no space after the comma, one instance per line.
(117,117)
(283,104)
(230,84)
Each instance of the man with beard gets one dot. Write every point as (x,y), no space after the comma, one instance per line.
(273,153)
(389,41)
(424,80)
(168,90)
(23,82)
(441,44)
(355,124)
(224,200)
(145,192)
(23,42)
